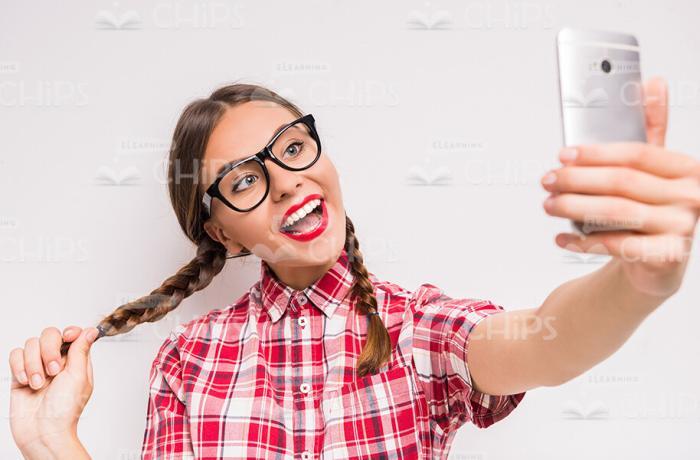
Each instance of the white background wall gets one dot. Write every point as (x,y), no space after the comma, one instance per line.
(476,94)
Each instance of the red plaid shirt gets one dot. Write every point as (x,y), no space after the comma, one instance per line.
(274,376)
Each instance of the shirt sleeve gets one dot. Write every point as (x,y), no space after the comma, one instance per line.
(441,328)
(167,434)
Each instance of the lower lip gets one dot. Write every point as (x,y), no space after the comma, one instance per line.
(315,232)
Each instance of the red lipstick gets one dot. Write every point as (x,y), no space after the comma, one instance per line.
(320,228)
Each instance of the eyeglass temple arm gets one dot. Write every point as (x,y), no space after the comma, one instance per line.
(206,200)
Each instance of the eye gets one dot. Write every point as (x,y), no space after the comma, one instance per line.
(294,148)
(244,181)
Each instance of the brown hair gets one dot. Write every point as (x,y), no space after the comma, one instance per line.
(190,138)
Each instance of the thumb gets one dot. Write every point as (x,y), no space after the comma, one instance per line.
(89,370)
(78,353)
(656,110)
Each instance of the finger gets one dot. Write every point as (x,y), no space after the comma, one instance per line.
(70,333)
(79,350)
(644,157)
(617,213)
(33,365)
(652,249)
(17,366)
(50,344)
(626,182)
(656,110)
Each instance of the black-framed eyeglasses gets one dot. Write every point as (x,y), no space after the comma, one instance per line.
(244,184)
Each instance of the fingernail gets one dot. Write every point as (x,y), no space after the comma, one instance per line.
(54,367)
(548,202)
(568,154)
(37,380)
(22,378)
(91,334)
(568,238)
(549,178)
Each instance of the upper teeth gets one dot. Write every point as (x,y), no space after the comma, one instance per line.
(302,212)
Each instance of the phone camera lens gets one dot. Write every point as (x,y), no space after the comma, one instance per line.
(605,66)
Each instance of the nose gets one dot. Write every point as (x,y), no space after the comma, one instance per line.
(283,183)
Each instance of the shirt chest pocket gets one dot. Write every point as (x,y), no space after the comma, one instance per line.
(374,415)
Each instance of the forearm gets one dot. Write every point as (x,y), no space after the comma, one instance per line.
(590,318)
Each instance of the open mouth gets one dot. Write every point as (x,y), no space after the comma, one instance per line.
(305,220)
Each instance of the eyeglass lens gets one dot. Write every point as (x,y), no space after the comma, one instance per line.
(245,185)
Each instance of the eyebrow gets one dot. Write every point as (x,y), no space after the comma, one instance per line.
(279,128)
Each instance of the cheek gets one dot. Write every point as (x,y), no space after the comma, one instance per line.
(330,181)
(259,228)
(338,222)
(244,228)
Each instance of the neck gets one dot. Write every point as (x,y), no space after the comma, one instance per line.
(301,277)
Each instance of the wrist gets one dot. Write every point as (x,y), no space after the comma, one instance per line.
(65,445)
(35,450)
(641,297)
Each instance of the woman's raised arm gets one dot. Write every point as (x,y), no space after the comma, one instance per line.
(655,192)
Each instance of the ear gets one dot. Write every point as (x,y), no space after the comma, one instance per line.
(216,233)
(656,110)
(211,230)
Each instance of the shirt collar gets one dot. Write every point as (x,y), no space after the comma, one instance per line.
(327,293)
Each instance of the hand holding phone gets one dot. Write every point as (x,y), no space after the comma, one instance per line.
(643,197)
(601,94)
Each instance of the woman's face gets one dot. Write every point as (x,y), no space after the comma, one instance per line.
(242,131)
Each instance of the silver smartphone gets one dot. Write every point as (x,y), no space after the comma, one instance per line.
(600,92)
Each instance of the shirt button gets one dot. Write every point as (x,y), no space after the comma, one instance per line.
(306,455)
(301,321)
(304,387)
(301,299)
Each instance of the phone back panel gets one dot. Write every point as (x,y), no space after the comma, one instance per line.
(599,105)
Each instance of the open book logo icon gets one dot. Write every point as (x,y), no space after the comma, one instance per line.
(422,176)
(586,257)
(268,254)
(108,176)
(108,20)
(574,410)
(597,97)
(422,20)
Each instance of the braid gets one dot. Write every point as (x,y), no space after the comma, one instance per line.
(196,275)
(377,349)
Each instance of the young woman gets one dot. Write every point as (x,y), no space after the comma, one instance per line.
(320,358)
